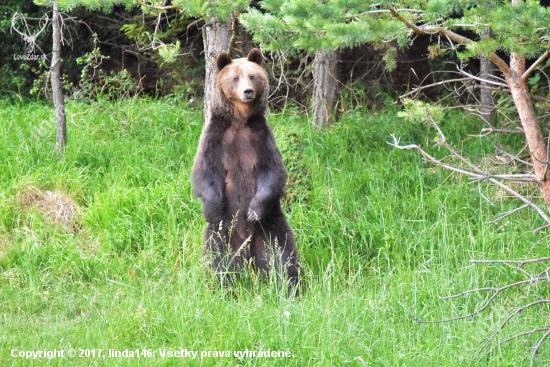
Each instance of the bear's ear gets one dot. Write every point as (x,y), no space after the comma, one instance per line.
(223,60)
(256,56)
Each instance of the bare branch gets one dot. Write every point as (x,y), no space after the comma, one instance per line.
(474,171)
(544,328)
(418,89)
(538,345)
(382,11)
(509,212)
(535,65)
(512,315)
(515,157)
(495,290)
(234,33)
(195,23)
(476,175)
(520,262)
(488,130)
(461,71)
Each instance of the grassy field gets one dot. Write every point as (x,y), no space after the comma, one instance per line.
(101,249)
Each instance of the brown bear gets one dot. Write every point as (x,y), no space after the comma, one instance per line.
(239,176)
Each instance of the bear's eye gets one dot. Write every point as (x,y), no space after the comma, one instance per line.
(236,79)
(251,77)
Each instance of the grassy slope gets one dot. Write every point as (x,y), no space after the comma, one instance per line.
(382,236)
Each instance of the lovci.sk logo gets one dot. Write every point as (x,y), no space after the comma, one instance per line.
(19,24)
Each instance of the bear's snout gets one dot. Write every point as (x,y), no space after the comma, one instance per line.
(248,94)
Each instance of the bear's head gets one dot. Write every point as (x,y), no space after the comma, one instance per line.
(243,82)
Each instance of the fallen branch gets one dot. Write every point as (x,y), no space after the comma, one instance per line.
(472,171)
(543,276)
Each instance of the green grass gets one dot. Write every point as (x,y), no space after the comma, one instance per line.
(382,236)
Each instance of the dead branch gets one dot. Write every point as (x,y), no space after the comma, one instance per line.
(487,131)
(461,71)
(475,174)
(543,276)
(534,66)
(450,35)
(234,33)
(418,89)
(473,171)
(519,262)
(537,346)
(510,317)
(525,333)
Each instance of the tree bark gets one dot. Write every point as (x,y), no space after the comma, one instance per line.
(529,120)
(57,87)
(531,127)
(325,87)
(216,36)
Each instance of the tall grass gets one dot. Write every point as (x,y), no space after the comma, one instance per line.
(381,235)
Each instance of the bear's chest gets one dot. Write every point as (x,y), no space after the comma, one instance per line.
(239,160)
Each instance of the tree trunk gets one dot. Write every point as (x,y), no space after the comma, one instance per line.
(216,36)
(57,87)
(530,123)
(325,87)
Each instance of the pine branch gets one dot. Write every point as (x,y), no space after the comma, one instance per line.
(452,36)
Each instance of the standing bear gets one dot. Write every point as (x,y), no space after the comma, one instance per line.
(239,176)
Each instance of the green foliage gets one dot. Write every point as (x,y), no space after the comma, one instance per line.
(222,9)
(152,39)
(416,111)
(41,85)
(16,74)
(390,58)
(162,44)
(105,5)
(169,52)
(312,25)
(95,83)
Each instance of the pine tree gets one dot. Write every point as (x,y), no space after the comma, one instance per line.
(518,28)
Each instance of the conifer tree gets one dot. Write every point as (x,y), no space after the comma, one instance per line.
(517,28)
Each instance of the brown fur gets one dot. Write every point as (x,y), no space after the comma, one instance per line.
(239,175)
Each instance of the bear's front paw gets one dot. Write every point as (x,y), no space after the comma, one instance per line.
(254,213)
(252,216)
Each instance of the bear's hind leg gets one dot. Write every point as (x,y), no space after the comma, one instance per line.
(277,254)
(218,254)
